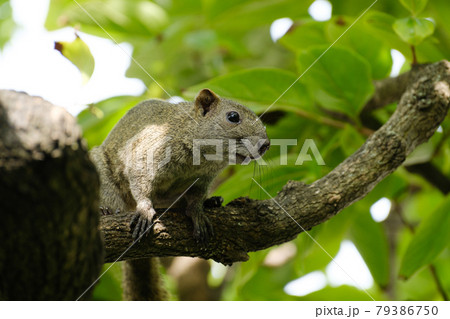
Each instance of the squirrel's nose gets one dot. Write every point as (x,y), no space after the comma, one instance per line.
(264,148)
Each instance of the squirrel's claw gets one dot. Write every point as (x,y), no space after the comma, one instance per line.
(203,229)
(134,221)
(107,211)
(136,228)
(141,223)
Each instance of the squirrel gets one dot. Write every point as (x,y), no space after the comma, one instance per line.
(156,154)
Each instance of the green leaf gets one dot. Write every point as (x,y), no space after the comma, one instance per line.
(350,139)
(442,265)
(421,205)
(374,50)
(413,30)
(339,80)
(109,286)
(258,89)
(304,34)
(201,40)
(251,14)
(7,24)
(370,240)
(123,20)
(243,273)
(79,54)
(414,6)
(271,178)
(268,283)
(440,11)
(343,293)
(329,236)
(432,49)
(379,25)
(421,154)
(431,238)
(421,286)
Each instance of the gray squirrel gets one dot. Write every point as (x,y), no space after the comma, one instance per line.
(149,160)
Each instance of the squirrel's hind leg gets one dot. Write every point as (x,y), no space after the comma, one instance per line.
(195,198)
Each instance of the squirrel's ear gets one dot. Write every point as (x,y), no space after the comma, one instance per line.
(206,100)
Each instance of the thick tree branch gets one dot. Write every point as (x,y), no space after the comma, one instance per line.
(246,225)
(388,91)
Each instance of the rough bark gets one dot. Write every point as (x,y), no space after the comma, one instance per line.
(388,91)
(50,244)
(246,225)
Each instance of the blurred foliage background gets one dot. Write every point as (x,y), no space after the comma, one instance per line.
(227,46)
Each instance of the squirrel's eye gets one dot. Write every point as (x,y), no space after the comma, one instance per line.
(233,117)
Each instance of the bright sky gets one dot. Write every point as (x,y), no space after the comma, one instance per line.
(29,63)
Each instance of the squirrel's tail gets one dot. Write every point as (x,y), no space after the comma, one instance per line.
(142,280)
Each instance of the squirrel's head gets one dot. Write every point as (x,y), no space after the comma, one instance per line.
(239,129)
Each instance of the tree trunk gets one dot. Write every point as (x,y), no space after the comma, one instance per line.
(50,248)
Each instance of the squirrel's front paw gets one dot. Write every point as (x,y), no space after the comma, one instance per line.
(203,229)
(142,222)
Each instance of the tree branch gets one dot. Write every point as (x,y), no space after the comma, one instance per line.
(246,225)
(388,91)
(432,174)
